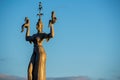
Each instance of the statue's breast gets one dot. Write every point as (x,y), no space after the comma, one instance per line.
(38,39)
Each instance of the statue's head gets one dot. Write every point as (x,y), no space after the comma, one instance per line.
(39,26)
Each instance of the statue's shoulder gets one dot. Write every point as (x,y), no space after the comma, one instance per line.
(34,35)
(44,33)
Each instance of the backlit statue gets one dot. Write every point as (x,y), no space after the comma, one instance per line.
(37,64)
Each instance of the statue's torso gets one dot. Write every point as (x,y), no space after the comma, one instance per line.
(40,57)
(38,39)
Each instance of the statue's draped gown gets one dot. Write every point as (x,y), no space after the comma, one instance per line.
(38,59)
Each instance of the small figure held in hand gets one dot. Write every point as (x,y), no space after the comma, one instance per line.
(26,24)
(53,20)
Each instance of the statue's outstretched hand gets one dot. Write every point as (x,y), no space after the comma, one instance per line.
(26,24)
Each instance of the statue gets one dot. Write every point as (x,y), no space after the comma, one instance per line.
(37,64)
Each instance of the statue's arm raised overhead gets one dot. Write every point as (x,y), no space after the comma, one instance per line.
(51,30)
(27,26)
(49,35)
(51,25)
(28,37)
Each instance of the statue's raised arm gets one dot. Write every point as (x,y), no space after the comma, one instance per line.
(27,26)
(51,23)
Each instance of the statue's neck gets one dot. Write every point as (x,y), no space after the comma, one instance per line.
(39,32)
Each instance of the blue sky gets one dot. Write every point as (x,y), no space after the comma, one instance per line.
(86,42)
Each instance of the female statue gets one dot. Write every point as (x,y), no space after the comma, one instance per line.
(37,64)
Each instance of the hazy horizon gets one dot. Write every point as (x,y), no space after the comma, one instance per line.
(11,77)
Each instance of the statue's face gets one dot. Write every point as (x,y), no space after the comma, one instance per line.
(39,26)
